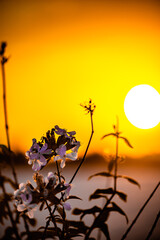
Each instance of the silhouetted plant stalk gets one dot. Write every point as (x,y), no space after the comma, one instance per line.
(10,212)
(3,61)
(117,135)
(53,220)
(89,108)
(139,213)
(153,227)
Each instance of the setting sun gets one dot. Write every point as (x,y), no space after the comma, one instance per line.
(142,105)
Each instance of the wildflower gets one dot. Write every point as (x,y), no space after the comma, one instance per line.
(24,198)
(50,179)
(67,206)
(36,155)
(62,155)
(60,131)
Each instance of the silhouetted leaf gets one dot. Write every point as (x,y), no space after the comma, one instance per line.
(84,212)
(9,234)
(74,197)
(104,191)
(4,179)
(41,206)
(126,141)
(131,180)
(103,174)
(118,209)
(109,134)
(104,229)
(111,164)
(122,195)
(3,210)
(96,196)
(32,221)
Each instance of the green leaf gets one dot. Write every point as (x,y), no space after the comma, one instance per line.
(126,141)
(103,174)
(118,209)
(109,134)
(131,180)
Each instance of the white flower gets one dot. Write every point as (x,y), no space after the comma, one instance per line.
(60,131)
(62,155)
(36,155)
(50,178)
(29,207)
(23,197)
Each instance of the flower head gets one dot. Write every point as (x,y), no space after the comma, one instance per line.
(36,155)
(60,131)
(62,155)
(24,199)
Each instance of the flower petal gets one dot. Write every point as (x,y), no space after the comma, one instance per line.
(63,163)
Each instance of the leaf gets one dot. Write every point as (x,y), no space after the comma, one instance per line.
(104,229)
(118,209)
(41,206)
(10,181)
(84,212)
(103,174)
(109,134)
(122,195)
(126,141)
(111,165)
(3,210)
(32,221)
(104,191)
(9,234)
(131,180)
(74,197)
(96,196)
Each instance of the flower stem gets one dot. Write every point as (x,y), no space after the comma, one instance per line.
(92,131)
(140,211)
(53,220)
(6,120)
(153,227)
(10,214)
(114,192)
(3,61)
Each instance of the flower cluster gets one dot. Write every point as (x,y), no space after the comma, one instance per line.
(58,143)
(27,198)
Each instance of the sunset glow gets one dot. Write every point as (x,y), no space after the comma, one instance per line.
(64,52)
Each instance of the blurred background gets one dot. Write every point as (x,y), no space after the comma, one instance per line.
(61,53)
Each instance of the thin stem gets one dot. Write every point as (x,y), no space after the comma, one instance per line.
(7,131)
(153,227)
(6,120)
(74,175)
(53,220)
(114,192)
(59,177)
(140,211)
(10,214)
(92,131)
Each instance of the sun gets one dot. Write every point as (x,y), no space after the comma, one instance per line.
(142,106)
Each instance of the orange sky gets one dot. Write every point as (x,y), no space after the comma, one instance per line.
(64,52)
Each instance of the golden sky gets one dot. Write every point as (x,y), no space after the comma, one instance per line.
(64,52)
